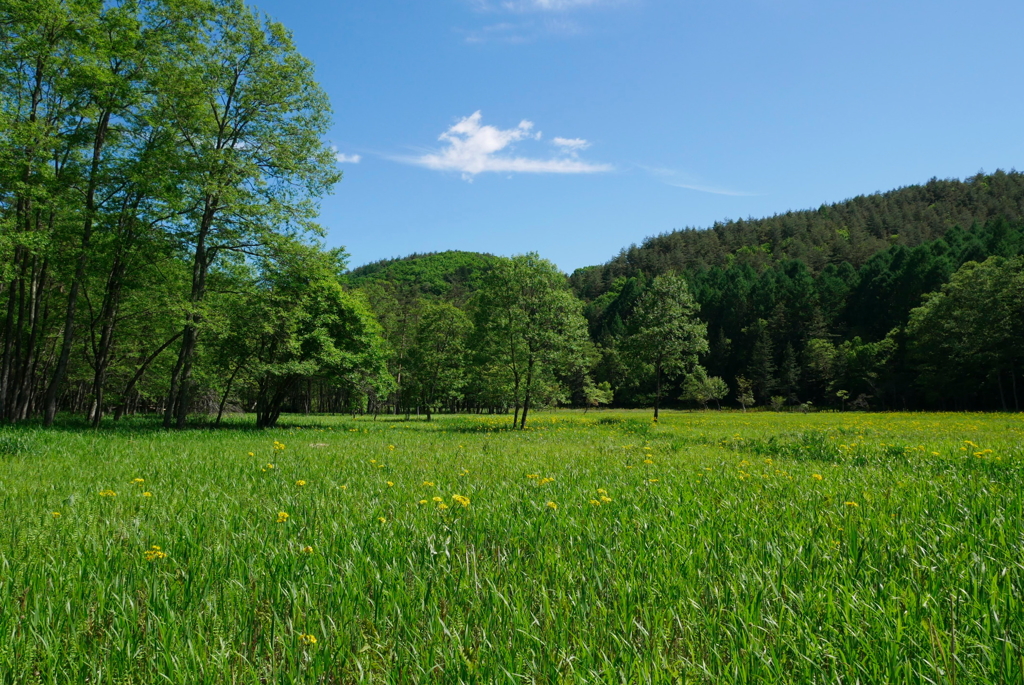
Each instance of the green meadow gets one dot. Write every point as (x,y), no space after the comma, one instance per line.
(718,547)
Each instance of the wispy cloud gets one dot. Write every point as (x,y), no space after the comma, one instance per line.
(516,33)
(541,5)
(571,144)
(473,148)
(345,159)
(530,20)
(677,179)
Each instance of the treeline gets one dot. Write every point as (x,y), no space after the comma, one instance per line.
(793,336)
(776,331)
(160,165)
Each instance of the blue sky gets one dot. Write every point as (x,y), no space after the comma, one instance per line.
(574,128)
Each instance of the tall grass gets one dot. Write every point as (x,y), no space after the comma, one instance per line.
(708,548)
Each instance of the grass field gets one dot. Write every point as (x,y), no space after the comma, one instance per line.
(710,547)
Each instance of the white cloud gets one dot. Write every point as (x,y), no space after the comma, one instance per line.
(351,159)
(571,144)
(473,148)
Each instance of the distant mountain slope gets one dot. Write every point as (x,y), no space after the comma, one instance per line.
(440,274)
(851,231)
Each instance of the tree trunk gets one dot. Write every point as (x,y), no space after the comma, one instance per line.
(657,388)
(76,283)
(227,391)
(526,395)
(138,375)
(181,379)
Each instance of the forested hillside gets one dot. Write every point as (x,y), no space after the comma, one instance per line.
(845,232)
(453,274)
(810,308)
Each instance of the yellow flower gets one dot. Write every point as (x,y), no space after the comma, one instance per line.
(307,639)
(382,519)
(390,484)
(147,494)
(108,493)
(423,501)
(545,481)
(391,447)
(602,491)
(300,483)
(307,549)
(648,461)
(282,517)
(464,501)
(606,499)
(851,504)
(594,501)
(270,466)
(816,476)
(139,481)
(652,480)
(154,553)
(56,514)
(552,505)
(442,505)
(532,475)
(428,484)
(252,454)
(438,499)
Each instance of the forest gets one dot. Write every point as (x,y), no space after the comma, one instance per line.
(162,164)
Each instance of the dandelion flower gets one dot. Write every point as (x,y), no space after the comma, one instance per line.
(282,517)
(652,480)
(56,514)
(307,639)
(438,499)
(390,484)
(382,519)
(154,553)
(300,483)
(108,493)
(442,506)
(308,549)
(139,481)
(428,484)
(464,501)
(423,501)
(252,454)
(147,494)
(851,504)
(552,505)
(648,461)
(594,501)
(816,476)
(606,499)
